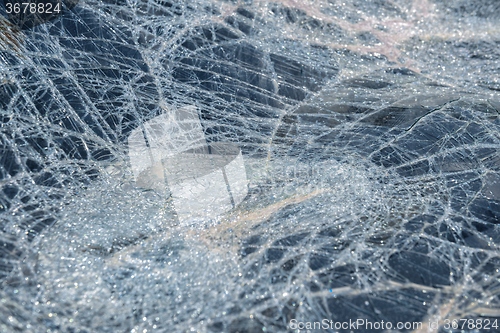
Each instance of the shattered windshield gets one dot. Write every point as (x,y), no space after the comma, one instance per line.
(249,166)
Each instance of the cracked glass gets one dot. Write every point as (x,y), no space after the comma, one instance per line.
(367,182)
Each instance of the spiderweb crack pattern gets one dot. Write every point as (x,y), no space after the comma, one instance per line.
(370,133)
